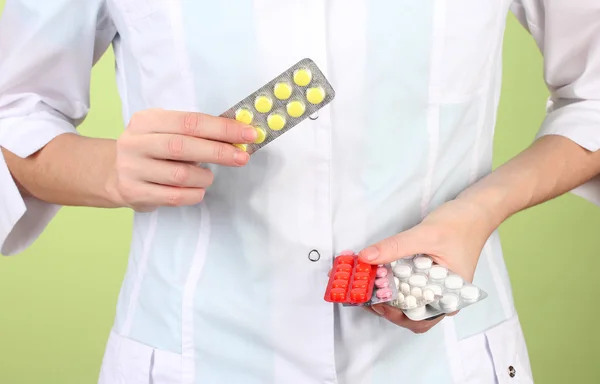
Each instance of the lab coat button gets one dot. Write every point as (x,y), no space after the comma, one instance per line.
(314,255)
(511,371)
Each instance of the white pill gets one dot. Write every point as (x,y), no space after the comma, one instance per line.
(470,293)
(423,262)
(405,288)
(449,302)
(416,312)
(410,301)
(400,298)
(437,272)
(397,281)
(402,271)
(435,288)
(453,282)
(417,280)
(428,295)
(416,292)
(393,263)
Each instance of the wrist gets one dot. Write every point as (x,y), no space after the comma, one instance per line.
(484,208)
(111,191)
(111,182)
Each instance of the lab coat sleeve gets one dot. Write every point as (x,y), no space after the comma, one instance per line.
(568,35)
(47,50)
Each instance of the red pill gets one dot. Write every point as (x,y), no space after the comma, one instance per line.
(360,284)
(345,260)
(340,284)
(341,276)
(338,295)
(358,295)
(361,276)
(343,268)
(363,267)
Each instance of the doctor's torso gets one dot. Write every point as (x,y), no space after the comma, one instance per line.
(235,285)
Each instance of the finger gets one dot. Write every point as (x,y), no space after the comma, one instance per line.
(398,317)
(404,244)
(191,149)
(370,309)
(173,173)
(194,124)
(142,195)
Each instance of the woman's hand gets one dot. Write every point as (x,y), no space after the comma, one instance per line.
(453,236)
(157,157)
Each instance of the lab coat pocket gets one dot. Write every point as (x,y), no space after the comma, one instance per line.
(509,352)
(498,355)
(127,361)
(166,368)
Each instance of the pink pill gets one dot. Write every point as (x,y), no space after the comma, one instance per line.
(382,283)
(384,293)
(381,272)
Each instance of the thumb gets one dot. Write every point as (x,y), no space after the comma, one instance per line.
(404,244)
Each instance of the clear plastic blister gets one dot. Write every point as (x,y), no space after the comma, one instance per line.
(384,289)
(283,103)
(427,290)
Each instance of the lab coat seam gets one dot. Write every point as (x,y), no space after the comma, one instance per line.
(175,14)
(334,374)
(129,22)
(124,80)
(149,238)
(486,88)
(183,61)
(434,104)
(189,294)
(501,288)
(139,276)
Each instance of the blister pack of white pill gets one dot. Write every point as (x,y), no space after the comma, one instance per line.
(427,290)
(283,103)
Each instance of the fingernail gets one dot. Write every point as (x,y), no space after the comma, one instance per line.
(370,253)
(240,157)
(380,310)
(249,134)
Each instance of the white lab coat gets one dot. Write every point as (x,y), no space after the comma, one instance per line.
(224,292)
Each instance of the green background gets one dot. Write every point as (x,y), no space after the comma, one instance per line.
(57,299)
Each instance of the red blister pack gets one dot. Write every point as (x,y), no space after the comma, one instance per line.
(351,280)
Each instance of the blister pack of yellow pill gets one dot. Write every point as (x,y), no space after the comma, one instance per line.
(283,103)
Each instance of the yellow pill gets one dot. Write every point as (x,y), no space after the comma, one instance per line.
(243,147)
(276,121)
(244,115)
(296,108)
(282,91)
(263,104)
(315,95)
(302,77)
(262,135)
